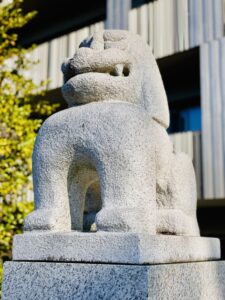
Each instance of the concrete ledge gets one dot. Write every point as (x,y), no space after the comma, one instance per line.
(126,248)
(52,281)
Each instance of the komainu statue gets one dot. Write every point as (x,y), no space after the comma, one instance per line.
(107,163)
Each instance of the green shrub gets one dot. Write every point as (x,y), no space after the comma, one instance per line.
(11,222)
(21,115)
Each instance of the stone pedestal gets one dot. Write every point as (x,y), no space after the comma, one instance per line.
(104,265)
(52,281)
(113,247)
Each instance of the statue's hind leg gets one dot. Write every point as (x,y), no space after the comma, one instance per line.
(177,212)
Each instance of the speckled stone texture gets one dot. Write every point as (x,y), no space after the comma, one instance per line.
(113,247)
(113,135)
(70,281)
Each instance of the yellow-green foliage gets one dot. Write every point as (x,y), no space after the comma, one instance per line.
(11,222)
(20,117)
(18,110)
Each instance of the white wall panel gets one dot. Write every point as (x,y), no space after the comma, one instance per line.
(72,43)
(150,24)
(182,25)
(212,71)
(195,22)
(206,123)
(175,25)
(53,66)
(205,21)
(117,14)
(216,117)
(222,87)
(163,24)
(143,22)
(217,9)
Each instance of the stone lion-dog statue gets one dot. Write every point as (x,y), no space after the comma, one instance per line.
(112,141)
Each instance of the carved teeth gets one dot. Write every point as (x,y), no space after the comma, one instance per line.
(119,70)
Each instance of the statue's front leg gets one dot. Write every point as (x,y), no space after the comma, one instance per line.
(50,161)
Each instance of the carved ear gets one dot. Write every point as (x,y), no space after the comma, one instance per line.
(155,99)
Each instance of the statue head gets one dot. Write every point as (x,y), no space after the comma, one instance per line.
(115,65)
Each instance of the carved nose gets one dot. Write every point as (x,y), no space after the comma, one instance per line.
(69,66)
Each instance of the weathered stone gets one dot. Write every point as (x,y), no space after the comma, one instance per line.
(52,281)
(113,247)
(116,140)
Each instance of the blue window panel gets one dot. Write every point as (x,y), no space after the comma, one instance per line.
(191,119)
(185,119)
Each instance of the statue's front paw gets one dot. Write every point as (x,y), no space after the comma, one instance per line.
(126,219)
(47,219)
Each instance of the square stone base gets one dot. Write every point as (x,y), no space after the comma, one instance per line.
(52,281)
(113,247)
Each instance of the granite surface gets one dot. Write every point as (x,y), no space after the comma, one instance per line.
(113,247)
(52,281)
(113,134)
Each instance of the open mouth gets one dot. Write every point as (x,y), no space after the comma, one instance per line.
(118,70)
